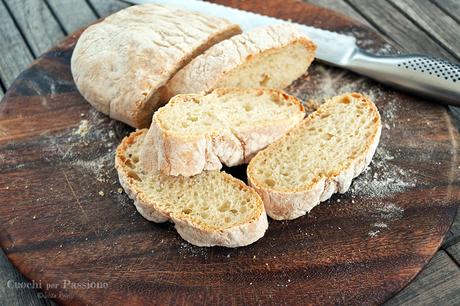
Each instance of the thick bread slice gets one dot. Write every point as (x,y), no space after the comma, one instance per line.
(193,133)
(121,64)
(318,157)
(209,209)
(272,56)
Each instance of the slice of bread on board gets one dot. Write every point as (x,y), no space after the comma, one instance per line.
(210,209)
(318,157)
(121,64)
(272,56)
(193,133)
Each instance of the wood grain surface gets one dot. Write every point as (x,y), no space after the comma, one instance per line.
(64,224)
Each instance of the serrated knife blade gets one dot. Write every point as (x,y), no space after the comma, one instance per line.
(419,74)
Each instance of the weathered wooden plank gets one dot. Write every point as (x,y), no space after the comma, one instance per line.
(343,8)
(107,7)
(454,252)
(15,55)
(398,28)
(37,24)
(428,16)
(72,14)
(437,284)
(11,291)
(453,235)
(449,7)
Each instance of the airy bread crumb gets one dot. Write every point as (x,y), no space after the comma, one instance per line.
(318,157)
(209,209)
(193,133)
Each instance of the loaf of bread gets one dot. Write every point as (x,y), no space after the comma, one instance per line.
(210,209)
(318,157)
(272,56)
(193,133)
(121,64)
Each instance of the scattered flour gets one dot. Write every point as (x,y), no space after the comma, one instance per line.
(97,162)
(390,212)
(382,178)
(380,225)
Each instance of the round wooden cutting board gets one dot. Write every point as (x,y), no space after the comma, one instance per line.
(66,224)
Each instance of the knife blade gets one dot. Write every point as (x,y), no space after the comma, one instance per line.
(419,74)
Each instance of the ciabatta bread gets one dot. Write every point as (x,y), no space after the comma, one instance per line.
(209,209)
(318,157)
(272,56)
(193,133)
(121,64)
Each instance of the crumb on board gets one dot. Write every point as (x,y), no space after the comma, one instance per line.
(83,128)
(373,233)
(120,190)
(101,193)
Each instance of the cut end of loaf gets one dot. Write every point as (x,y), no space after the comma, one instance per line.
(318,157)
(273,68)
(272,57)
(209,209)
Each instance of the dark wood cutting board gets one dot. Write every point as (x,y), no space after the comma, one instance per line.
(65,223)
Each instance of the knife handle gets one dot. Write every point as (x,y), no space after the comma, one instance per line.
(419,74)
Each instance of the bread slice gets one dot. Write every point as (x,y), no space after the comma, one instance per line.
(272,56)
(121,64)
(193,133)
(209,209)
(318,157)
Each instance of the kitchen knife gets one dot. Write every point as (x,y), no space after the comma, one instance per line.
(420,74)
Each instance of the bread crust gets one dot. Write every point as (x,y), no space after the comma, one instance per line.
(188,155)
(203,73)
(238,235)
(292,203)
(121,64)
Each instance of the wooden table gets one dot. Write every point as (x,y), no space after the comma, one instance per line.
(30,28)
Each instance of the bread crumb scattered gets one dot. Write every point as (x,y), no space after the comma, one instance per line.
(311,105)
(101,193)
(120,190)
(34,217)
(373,233)
(83,128)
